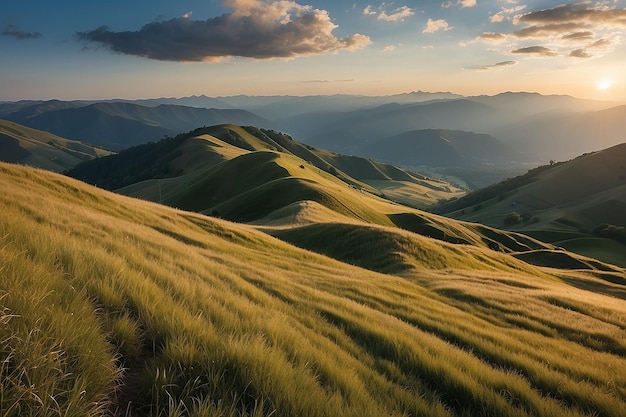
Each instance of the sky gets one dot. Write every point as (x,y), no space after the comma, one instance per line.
(89,49)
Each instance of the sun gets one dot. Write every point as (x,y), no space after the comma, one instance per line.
(604,84)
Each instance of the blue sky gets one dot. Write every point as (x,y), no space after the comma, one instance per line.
(119,49)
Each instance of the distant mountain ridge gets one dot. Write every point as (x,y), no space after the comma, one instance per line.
(441,148)
(567,135)
(118,125)
(535,128)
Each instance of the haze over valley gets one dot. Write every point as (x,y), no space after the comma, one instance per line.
(475,140)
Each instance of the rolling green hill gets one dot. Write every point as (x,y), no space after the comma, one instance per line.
(259,177)
(219,154)
(561,203)
(21,144)
(116,306)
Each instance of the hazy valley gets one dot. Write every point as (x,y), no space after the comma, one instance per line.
(499,136)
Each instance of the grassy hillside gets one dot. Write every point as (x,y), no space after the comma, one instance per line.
(21,144)
(249,175)
(115,305)
(397,184)
(561,203)
(194,157)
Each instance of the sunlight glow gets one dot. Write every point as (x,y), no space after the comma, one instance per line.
(604,85)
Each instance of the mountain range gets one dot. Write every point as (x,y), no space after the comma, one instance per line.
(119,125)
(441,148)
(501,136)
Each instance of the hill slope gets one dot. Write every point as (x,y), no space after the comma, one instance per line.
(247,175)
(561,203)
(20,144)
(197,154)
(210,318)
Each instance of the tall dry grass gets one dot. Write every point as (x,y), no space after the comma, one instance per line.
(116,306)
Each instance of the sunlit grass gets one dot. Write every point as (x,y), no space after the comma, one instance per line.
(113,305)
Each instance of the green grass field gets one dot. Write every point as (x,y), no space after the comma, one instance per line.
(116,306)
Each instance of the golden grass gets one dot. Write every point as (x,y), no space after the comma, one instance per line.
(569,198)
(421,195)
(115,305)
(48,151)
(237,158)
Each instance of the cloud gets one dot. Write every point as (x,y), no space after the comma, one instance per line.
(396,15)
(496,66)
(492,37)
(497,18)
(565,30)
(256,29)
(576,36)
(12,31)
(389,48)
(545,31)
(600,43)
(580,13)
(579,53)
(535,50)
(506,14)
(368,11)
(327,81)
(461,3)
(433,26)
(597,47)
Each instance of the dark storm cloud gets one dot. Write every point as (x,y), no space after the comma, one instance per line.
(255,29)
(13,31)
